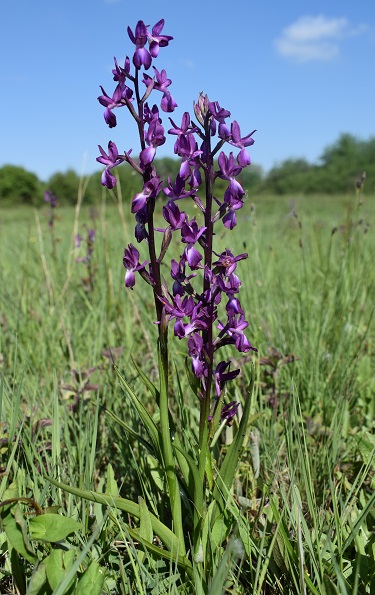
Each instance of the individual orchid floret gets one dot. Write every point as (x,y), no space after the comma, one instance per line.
(187,148)
(229,169)
(217,112)
(181,283)
(141,217)
(185,128)
(190,234)
(154,138)
(229,410)
(132,264)
(150,190)
(120,73)
(155,133)
(229,285)
(237,140)
(195,350)
(141,56)
(222,375)
(156,40)
(233,306)
(177,190)
(161,83)
(227,263)
(198,322)
(173,216)
(241,143)
(233,201)
(150,114)
(233,333)
(110,160)
(122,94)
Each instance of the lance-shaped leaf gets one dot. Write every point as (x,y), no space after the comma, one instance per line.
(229,466)
(167,536)
(146,418)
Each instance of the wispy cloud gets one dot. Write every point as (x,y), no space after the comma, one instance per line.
(315,38)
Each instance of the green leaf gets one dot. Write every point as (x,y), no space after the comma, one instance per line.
(92,580)
(130,431)
(15,534)
(147,420)
(38,579)
(58,565)
(230,463)
(193,468)
(52,527)
(111,485)
(147,382)
(366,447)
(182,561)
(166,535)
(145,529)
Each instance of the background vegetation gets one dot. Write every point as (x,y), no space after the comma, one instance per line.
(303,509)
(340,168)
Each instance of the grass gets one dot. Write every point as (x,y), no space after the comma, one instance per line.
(304,496)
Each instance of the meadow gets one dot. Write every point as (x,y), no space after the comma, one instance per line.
(302,506)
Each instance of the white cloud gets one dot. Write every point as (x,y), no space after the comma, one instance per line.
(315,38)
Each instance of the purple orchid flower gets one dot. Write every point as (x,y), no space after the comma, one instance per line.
(156,40)
(161,83)
(195,347)
(173,216)
(141,56)
(241,143)
(177,190)
(110,160)
(132,264)
(229,410)
(190,234)
(120,73)
(150,190)
(227,263)
(222,375)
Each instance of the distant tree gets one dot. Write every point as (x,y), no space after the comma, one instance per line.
(64,186)
(167,167)
(17,185)
(341,166)
(288,177)
(251,177)
(345,160)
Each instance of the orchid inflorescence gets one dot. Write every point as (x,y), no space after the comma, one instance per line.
(198,144)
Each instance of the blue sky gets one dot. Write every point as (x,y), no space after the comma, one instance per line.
(299,72)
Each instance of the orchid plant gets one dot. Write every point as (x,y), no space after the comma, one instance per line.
(200,298)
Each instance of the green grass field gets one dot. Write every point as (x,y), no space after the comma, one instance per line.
(304,496)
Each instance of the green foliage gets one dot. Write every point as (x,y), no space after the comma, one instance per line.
(17,185)
(300,514)
(341,167)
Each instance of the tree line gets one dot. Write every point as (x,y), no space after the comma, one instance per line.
(340,168)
